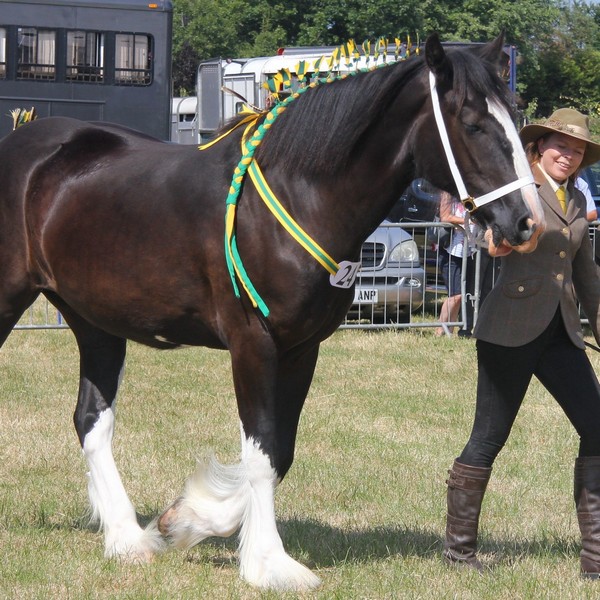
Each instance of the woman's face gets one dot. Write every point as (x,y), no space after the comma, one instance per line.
(561,155)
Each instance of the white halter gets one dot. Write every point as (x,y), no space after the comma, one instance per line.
(468,201)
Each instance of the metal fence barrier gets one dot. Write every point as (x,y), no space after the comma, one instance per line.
(428,313)
(41,315)
(425,305)
(422,309)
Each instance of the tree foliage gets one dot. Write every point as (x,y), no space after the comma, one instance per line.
(568,66)
(558,42)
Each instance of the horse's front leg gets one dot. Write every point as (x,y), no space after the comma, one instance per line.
(101,365)
(218,500)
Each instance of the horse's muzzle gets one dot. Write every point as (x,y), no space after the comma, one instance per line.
(525,240)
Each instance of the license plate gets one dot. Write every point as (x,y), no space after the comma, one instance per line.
(365,296)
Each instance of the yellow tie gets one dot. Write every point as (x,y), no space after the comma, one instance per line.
(562,198)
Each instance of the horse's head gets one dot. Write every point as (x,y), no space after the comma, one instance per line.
(483,161)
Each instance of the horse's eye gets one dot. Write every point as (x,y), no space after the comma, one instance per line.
(472,128)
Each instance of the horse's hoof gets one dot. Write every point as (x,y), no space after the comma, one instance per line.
(280,572)
(140,547)
(168,518)
(140,557)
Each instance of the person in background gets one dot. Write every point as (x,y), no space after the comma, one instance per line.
(452,211)
(529,325)
(592,211)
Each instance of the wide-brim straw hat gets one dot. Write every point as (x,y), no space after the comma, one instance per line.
(570,122)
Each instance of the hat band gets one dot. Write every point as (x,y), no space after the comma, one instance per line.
(566,128)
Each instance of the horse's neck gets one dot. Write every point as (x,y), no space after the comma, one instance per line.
(356,201)
(382,167)
(352,200)
(344,211)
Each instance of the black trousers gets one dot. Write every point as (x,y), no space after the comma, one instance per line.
(504,375)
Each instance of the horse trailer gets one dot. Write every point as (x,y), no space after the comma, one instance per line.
(96,60)
(184,120)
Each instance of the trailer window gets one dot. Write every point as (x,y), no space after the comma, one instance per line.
(133,59)
(2,53)
(36,58)
(85,56)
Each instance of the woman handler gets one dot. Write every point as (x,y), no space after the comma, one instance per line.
(529,325)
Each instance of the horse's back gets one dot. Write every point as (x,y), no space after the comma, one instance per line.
(32,144)
(51,148)
(95,208)
(51,156)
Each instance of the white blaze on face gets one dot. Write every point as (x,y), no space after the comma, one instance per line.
(520,162)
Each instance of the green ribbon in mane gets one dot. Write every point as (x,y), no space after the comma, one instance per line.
(248,165)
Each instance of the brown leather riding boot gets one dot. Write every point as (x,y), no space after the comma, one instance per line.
(587,503)
(466,488)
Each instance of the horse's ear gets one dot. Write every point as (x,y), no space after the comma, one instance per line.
(493,52)
(437,60)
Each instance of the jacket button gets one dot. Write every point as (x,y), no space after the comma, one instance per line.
(521,288)
(562,253)
(560,277)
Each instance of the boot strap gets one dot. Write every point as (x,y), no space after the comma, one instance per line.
(452,521)
(466,483)
(587,517)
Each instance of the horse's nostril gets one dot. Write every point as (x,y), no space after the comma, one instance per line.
(525,227)
(525,224)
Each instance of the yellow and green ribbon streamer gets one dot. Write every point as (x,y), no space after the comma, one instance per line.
(247,165)
(20,116)
(289,224)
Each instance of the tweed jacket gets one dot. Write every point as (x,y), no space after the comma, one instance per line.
(532,286)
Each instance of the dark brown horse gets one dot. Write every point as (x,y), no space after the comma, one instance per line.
(125,236)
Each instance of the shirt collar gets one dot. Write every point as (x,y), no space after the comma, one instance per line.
(554,184)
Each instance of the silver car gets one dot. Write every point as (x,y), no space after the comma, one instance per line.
(391,281)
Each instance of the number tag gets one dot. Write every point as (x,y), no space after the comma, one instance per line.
(346,275)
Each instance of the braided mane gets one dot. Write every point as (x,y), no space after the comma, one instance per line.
(319,130)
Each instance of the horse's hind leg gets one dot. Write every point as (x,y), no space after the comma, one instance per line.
(219,499)
(102,358)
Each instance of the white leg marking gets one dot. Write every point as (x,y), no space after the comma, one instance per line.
(212,504)
(263,560)
(110,505)
(218,499)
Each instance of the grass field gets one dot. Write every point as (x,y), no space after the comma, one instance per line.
(363,505)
